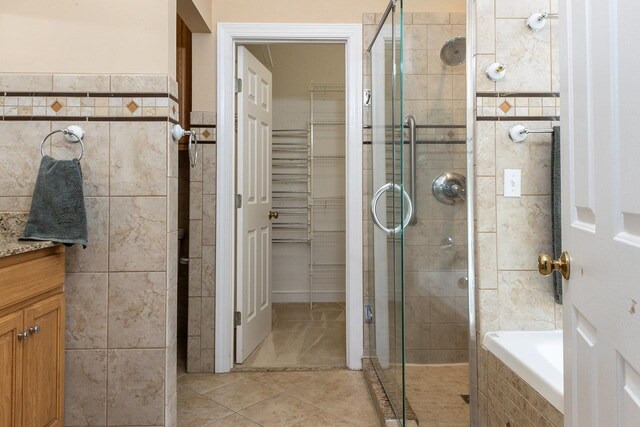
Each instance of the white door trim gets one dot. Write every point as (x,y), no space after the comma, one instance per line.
(229,35)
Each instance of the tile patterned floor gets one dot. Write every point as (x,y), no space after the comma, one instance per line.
(303,338)
(434,394)
(283,399)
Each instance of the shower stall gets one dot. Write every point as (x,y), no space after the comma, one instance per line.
(421,338)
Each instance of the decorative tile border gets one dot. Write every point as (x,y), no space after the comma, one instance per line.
(203,123)
(88,106)
(429,134)
(518,106)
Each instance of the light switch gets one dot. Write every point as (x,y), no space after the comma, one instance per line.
(512,182)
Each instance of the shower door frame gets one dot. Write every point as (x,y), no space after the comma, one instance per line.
(229,36)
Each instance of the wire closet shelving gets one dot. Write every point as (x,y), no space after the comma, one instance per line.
(297,166)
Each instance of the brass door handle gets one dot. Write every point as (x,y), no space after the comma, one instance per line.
(273,214)
(547,265)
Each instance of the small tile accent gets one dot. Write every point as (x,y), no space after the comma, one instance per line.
(505,107)
(56,106)
(132,106)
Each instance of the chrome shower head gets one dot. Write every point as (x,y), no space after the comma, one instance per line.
(454,51)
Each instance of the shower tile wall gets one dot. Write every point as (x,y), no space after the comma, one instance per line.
(436,309)
(511,232)
(121,289)
(202,250)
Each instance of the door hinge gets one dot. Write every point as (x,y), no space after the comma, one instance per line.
(237,318)
(238,201)
(238,87)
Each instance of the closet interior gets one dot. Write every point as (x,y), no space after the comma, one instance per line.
(308,192)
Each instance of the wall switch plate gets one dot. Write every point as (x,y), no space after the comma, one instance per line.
(512,182)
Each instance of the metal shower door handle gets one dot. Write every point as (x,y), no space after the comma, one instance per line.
(410,121)
(374,205)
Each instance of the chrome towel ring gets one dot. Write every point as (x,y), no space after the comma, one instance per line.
(177,132)
(72,134)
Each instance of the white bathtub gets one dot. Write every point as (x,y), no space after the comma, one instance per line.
(536,357)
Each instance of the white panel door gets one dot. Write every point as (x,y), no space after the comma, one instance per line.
(601,210)
(254,184)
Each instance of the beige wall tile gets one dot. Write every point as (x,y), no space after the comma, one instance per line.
(486,260)
(81,83)
(26,82)
(440,87)
(86,310)
(193,355)
(173,162)
(415,86)
(95,257)
(195,238)
(20,148)
(483,84)
(208,270)
(520,9)
(85,388)
(195,200)
(526,301)
(94,164)
(415,37)
(139,83)
(486,204)
(532,157)
(431,18)
(172,315)
(137,310)
(415,62)
(171,363)
(209,220)
(438,35)
(485,20)
(138,159)
(209,159)
(524,231)
(195,277)
(554,26)
(207,331)
(136,387)
(516,46)
(195,316)
(485,149)
(137,226)
(488,311)
(172,204)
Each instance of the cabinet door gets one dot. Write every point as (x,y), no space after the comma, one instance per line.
(43,364)
(10,369)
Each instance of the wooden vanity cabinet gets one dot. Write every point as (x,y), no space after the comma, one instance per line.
(32,339)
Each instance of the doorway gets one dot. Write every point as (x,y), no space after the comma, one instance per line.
(230,41)
(303,214)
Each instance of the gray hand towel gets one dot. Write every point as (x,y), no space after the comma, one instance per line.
(556,208)
(57,208)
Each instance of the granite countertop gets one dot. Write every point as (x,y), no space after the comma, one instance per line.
(11,227)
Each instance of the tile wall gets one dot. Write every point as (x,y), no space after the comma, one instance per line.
(121,289)
(511,401)
(202,250)
(511,232)
(436,309)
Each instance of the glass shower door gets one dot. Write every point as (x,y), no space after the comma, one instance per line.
(390,207)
